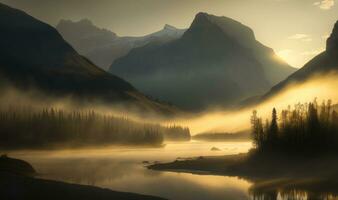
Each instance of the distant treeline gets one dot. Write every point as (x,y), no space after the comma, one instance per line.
(28,128)
(307,128)
(244,135)
(176,133)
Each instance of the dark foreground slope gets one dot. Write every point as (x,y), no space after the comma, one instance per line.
(14,187)
(216,62)
(17,185)
(34,55)
(33,52)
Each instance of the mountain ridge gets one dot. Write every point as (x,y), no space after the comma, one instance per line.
(205,58)
(105,46)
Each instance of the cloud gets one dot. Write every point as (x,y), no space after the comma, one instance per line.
(301,37)
(324,4)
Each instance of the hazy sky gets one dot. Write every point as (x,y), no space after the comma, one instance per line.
(295,29)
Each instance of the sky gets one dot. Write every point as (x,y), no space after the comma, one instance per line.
(296,29)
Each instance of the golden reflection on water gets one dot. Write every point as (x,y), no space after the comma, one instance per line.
(171,150)
(121,169)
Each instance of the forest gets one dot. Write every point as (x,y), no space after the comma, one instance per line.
(306,128)
(24,127)
(223,136)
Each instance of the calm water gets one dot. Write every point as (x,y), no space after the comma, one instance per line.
(121,169)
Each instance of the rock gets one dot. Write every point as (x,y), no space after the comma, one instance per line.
(214,149)
(16,166)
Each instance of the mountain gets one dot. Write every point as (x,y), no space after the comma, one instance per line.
(103,46)
(325,62)
(34,55)
(216,62)
(84,36)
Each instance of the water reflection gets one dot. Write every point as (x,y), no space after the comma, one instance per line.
(122,169)
(291,189)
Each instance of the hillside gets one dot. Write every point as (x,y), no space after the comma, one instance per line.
(34,55)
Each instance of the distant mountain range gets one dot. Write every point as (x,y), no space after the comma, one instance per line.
(216,62)
(34,55)
(325,62)
(103,46)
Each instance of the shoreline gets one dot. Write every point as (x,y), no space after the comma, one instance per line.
(19,187)
(19,181)
(267,173)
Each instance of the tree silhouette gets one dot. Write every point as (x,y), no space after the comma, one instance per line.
(307,128)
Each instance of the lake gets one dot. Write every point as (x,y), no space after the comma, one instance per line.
(122,169)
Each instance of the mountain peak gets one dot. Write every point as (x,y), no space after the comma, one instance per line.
(169,27)
(216,62)
(229,27)
(84,26)
(201,14)
(332,41)
(168,32)
(82,22)
(86,21)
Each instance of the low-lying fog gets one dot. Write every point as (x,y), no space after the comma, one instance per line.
(122,168)
(320,87)
(216,120)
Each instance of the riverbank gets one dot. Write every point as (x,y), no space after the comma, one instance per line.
(123,169)
(257,166)
(17,182)
(269,174)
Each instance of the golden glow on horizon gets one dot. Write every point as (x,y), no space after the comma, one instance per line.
(276,23)
(323,88)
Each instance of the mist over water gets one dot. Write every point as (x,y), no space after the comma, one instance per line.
(82,105)
(322,87)
(121,168)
